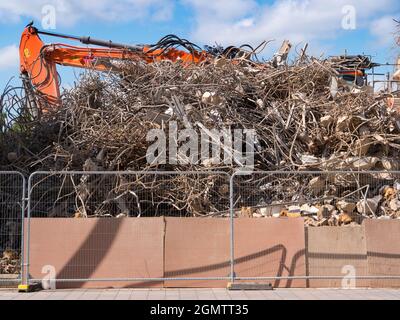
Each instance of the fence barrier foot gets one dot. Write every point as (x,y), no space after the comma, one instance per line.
(24,288)
(249,286)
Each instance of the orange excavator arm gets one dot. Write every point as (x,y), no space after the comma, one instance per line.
(38,61)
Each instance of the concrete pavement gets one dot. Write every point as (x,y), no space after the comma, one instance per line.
(204,294)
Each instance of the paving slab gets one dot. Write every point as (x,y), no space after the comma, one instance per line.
(204,294)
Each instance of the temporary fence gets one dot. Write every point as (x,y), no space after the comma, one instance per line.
(335,198)
(12,193)
(181,228)
(134,247)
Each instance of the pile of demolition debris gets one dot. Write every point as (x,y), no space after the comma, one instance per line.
(325,199)
(330,210)
(304,115)
(10,262)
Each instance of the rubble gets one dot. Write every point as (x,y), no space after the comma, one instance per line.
(211,98)
(390,164)
(317,184)
(307,210)
(271,211)
(297,124)
(363,164)
(362,146)
(342,124)
(9,262)
(369,206)
(344,218)
(326,121)
(304,116)
(326,211)
(340,211)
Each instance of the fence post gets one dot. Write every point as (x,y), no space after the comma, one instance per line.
(24,207)
(232,228)
(25,285)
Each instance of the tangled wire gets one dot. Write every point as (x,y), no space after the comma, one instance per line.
(305,118)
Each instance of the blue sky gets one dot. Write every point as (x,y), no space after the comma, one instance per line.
(319,22)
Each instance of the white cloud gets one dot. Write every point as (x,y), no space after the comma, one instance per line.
(72,11)
(164,13)
(384,30)
(242,21)
(9,57)
(245,23)
(221,9)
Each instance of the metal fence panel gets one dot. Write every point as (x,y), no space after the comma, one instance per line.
(111,199)
(104,201)
(12,191)
(323,199)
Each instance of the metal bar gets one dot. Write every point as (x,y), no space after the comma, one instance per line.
(238,173)
(58,35)
(16,184)
(93,41)
(223,278)
(134,279)
(315,172)
(232,227)
(320,278)
(28,230)
(22,226)
(387,81)
(177,173)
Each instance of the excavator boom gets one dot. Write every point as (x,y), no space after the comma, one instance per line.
(38,61)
